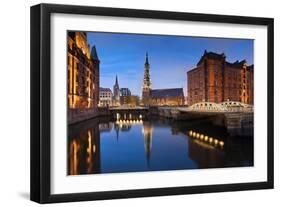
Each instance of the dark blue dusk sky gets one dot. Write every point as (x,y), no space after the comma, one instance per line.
(170,57)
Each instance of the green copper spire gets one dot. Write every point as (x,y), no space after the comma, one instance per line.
(94,54)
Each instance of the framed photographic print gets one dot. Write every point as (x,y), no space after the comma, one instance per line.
(132,103)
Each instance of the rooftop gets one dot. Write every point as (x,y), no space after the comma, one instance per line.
(170,92)
(216,56)
(211,55)
(105,89)
(236,64)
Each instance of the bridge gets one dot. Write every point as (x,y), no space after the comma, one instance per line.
(204,109)
(129,113)
(237,117)
(224,107)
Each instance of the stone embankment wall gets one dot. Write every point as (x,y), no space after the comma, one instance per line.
(78,115)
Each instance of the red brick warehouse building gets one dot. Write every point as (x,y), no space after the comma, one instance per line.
(216,80)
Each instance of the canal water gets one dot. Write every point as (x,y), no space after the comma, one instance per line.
(106,146)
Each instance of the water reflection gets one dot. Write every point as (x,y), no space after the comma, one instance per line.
(147,135)
(106,146)
(84,149)
(205,139)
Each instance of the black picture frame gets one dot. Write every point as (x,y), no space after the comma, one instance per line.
(41,96)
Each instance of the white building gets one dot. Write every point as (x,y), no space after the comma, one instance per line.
(105,99)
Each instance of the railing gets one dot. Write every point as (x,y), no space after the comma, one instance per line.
(221,107)
(128,108)
(236,110)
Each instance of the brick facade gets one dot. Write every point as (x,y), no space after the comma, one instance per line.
(216,80)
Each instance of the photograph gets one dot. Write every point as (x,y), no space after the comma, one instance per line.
(153,102)
(129,103)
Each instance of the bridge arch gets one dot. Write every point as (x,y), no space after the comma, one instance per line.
(237,106)
(207,106)
(227,106)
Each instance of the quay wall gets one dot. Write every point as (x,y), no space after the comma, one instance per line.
(236,123)
(75,115)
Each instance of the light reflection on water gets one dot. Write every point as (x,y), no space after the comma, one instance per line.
(136,145)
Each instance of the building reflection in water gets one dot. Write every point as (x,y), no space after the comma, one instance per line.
(73,158)
(205,150)
(199,148)
(117,128)
(105,127)
(84,150)
(126,125)
(147,135)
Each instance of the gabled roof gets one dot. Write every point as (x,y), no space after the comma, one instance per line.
(211,55)
(216,56)
(236,64)
(164,93)
(105,90)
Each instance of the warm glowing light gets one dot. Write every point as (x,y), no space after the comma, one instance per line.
(89,103)
(94,148)
(221,143)
(206,138)
(74,160)
(89,148)
(89,141)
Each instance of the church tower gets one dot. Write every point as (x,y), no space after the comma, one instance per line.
(146,87)
(116,93)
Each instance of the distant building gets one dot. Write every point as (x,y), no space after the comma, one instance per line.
(159,97)
(105,99)
(134,101)
(216,80)
(125,96)
(131,100)
(169,97)
(125,92)
(116,93)
(83,72)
